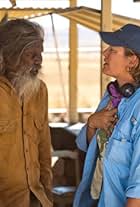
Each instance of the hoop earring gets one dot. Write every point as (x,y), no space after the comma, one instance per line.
(128,69)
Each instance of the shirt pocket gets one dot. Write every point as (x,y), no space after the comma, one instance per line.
(7,140)
(120,152)
(38,127)
(39,123)
(7,132)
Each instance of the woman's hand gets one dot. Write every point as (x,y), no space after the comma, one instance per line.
(104,119)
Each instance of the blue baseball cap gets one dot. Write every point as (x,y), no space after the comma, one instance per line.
(127,36)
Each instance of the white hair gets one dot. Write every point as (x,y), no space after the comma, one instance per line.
(24,84)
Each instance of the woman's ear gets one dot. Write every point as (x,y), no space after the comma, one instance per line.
(133,61)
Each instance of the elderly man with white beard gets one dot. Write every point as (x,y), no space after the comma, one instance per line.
(25,155)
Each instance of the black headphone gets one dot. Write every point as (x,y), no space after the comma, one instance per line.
(125,90)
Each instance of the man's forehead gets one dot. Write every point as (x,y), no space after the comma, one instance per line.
(33,45)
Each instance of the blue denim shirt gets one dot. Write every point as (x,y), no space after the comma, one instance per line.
(121,165)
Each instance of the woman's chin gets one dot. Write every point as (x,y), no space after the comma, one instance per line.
(105,72)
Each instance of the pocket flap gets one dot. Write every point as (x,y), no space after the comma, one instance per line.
(39,123)
(7,126)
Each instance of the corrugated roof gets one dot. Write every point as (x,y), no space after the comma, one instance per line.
(90,18)
(85,16)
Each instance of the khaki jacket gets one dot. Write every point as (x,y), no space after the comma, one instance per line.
(25,156)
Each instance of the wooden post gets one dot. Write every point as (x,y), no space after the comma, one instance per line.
(3,15)
(106,25)
(73,114)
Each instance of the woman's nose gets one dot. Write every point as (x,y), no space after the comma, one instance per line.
(106,52)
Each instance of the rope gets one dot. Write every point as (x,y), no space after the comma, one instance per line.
(59,63)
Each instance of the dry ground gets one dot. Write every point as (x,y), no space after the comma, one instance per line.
(88,79)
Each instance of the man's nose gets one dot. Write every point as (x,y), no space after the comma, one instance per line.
(38,59)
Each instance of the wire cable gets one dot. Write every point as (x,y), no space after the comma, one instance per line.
(59,63)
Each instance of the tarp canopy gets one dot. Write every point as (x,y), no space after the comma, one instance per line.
(85,16)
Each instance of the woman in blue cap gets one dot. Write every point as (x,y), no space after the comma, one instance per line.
(111,136)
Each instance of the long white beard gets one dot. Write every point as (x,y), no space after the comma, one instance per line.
(25,85)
